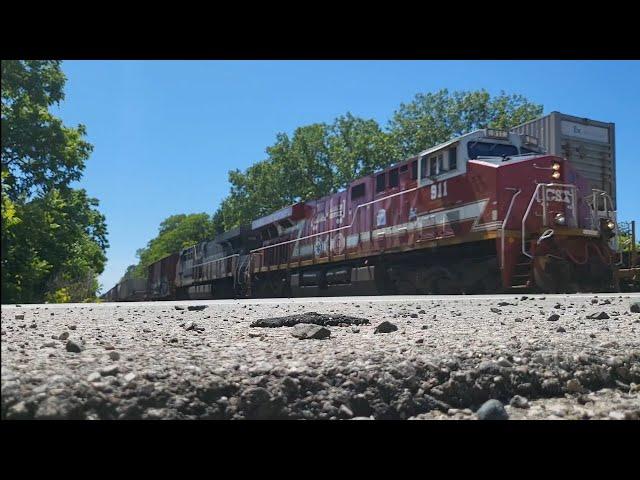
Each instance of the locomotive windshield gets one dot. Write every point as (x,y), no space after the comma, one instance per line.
(486,149)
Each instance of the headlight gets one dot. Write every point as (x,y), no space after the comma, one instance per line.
(611,225)
(556,175)
(555,166)
(560,219)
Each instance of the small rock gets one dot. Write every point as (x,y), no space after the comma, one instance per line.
(110,370)
(346,411)
(635,307)
(496,310)
(129,377)
(574,386)
(519,402)
(503,362)
(518,319)
(19,316)
(196,308)
(385,327)
(94,377)
(74,347)
(305,331)
(114,355)
(599,316)
(560,330)
(72,327)
(492,410)
(615,415)
(553,318)
(178,307)
(63,336)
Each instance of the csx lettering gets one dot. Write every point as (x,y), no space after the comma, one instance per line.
(558,195)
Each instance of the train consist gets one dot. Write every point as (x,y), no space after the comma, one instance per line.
(485,212)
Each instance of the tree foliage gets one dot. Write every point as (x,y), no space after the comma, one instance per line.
(434,118)
(53,236)
(175,233)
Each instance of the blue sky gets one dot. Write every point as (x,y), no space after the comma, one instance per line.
(167,132)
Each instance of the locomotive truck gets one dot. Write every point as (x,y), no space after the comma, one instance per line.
(485,212)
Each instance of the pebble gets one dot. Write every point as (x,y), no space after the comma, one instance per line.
(385,327)
(492,410)
(519,402)
(553,318)
(196,308)
(74,347)
(110,370)
(305,331)
(574,386)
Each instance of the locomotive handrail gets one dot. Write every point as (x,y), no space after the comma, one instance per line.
(544,208)
(354,216)
(216,260)
(504,224)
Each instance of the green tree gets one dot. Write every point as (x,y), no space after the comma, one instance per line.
(433,118)
(175,233)
(53,236)
(317,160)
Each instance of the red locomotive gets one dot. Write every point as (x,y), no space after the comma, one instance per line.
(484,212)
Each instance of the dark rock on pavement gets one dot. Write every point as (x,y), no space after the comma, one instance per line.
(310,317)
(310,331)
(74,346)
(492,410)
(196,308)
(385,327)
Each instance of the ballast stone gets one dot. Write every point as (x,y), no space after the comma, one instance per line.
(310,331)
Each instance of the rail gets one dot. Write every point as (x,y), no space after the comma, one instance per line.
(504,224)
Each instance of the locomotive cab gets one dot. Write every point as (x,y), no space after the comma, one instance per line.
(450,159)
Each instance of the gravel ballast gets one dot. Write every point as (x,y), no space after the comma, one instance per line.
(446,358)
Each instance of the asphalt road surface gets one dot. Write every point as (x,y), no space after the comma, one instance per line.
(438,357)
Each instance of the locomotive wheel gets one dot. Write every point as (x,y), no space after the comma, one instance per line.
(551,275)
(439,281)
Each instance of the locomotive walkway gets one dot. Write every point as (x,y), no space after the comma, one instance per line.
(541,356)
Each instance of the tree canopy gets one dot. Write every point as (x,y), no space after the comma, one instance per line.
(53,236)
(175,233)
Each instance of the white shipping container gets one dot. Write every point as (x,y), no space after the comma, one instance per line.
(588,144)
